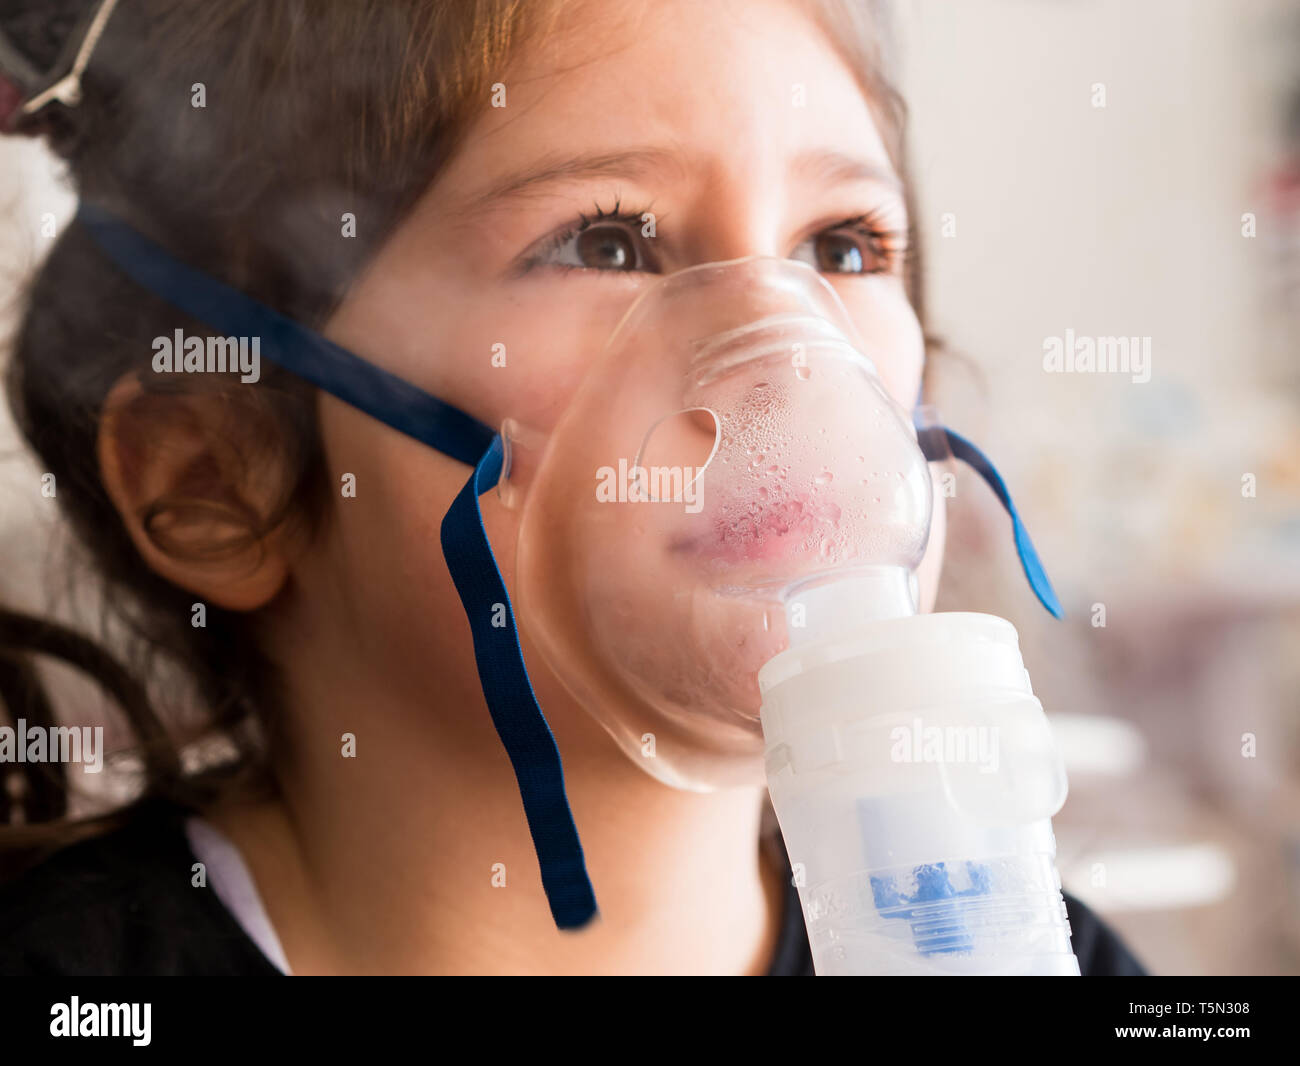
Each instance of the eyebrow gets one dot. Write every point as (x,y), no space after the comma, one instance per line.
(828,166)
(629,163)
(833,167)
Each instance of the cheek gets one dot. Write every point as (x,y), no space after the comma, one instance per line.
(903,355)
(494,350)
(377,573)
(541,357)
(891,333)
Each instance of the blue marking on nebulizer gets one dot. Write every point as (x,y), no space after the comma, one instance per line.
(942,934)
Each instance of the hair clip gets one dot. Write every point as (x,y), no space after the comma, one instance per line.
(16,70)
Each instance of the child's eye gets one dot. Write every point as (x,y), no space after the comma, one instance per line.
(612,241)
(599,247)
(853,247)
(608,241)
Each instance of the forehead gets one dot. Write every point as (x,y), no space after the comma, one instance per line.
(717,88)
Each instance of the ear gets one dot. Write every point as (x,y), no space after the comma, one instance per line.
(195,506)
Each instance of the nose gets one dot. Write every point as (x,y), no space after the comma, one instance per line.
(728,306)
(741,217)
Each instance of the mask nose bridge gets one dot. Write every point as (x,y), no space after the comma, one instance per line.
(739,292)
(796,335)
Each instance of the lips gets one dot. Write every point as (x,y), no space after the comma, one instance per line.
(761,530)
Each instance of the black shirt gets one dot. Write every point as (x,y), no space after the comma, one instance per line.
(121,904)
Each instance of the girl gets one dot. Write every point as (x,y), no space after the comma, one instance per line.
(425,183)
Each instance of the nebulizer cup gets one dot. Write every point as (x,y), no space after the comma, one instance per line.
(914,776)
(717,551)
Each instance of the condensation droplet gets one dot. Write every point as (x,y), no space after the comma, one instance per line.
(803,373)
(824,478)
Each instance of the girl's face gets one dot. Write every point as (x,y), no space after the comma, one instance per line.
(737,126)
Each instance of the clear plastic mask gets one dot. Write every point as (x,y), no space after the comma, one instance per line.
(732,451)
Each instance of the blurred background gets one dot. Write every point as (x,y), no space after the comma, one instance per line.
(1126,169)
(1114,169)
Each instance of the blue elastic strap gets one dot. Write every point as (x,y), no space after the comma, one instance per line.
(511,701)
(510,698)
(301,351)
(962,449)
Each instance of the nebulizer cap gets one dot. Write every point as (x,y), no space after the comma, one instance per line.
(732,454)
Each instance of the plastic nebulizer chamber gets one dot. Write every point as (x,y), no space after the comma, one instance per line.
(914,776)
(732,443)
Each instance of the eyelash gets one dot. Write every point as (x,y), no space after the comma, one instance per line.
(554,244)
(891,246)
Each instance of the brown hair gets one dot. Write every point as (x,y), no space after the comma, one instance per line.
(312,110)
